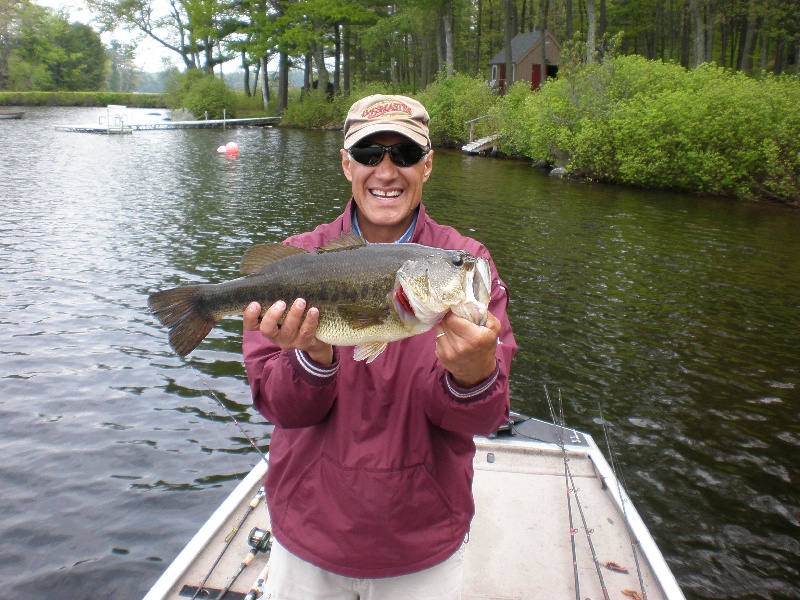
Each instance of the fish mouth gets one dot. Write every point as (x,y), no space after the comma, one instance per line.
(475,306)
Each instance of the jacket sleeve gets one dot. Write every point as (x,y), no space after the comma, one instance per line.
(479,410)
(288,388)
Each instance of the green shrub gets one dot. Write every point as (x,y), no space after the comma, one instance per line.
(633,121)
(201,93)
(451,102)
(314,109)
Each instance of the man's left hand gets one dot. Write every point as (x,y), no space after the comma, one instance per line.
(467,350)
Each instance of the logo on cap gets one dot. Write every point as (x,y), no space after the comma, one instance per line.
(384,108)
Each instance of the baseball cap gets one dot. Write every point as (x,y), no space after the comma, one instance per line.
(378,113)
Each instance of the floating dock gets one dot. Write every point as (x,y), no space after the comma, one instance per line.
(117,121)
(207,123)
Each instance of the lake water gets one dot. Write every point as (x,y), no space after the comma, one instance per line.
(676,314)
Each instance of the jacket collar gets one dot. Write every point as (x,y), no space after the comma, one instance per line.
(422,219)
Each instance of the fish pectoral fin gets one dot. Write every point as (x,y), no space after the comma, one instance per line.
(258,257)
(346,241)
(369,351)
(360,317)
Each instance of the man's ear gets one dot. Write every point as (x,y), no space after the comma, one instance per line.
(428,166)
(346,164)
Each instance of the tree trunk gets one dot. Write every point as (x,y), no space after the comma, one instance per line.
(256,81)
(246,69)
(308,75)
(447,22)
(602,24)
(543,7)
(699,33)
(262,64)
(478,64)
(797,48)
(710,18)
(685,30)
(440,51)
(591,26)
(569,19)
(283,82)
(322,72)
(507,8)
(337,64)
(746,58)
(780,51)
(346,57)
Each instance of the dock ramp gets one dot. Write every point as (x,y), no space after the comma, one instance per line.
(480,145)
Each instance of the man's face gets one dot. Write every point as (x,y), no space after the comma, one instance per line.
(386,195)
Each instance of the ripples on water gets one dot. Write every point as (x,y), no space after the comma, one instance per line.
(677,314)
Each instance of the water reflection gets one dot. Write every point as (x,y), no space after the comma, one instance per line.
(676,314)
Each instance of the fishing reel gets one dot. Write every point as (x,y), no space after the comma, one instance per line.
(259,539)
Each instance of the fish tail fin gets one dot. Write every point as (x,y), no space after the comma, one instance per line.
(180,310)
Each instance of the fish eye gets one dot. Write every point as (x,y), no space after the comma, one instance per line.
(458,260)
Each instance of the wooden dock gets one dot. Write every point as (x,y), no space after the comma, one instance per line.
(92,128)
(480,145)
(117,121)
(207,123)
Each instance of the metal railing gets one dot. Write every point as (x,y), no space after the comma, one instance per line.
(471,124)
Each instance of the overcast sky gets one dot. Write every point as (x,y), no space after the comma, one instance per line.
(148,53)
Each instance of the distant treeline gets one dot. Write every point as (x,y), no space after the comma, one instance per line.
(82,99)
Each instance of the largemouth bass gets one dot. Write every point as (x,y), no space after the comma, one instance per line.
(367,294)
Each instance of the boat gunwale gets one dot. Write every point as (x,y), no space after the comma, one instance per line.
(241,494)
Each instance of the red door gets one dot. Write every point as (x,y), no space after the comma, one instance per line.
(501,79)
(536,76)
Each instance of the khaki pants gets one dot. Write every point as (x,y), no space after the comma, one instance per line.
(291,578)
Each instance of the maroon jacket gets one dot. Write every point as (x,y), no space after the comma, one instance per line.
(370,469)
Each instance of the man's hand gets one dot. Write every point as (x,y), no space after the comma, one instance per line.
(294,333)
(467,350)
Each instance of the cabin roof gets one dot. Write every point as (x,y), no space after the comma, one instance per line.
(520,46)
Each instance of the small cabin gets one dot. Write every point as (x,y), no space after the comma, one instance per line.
(526,59)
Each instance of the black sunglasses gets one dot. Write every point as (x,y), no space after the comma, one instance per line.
(403,155)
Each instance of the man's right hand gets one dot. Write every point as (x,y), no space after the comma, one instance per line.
(294,333)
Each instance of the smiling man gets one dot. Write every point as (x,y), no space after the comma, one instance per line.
(369,484)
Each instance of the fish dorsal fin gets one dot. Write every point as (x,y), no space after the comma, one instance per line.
(369,351)
(346,241)
(360,317)
(258,257)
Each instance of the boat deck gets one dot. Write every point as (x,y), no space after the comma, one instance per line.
(519,545)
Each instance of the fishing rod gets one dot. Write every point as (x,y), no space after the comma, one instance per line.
(260,540)
(230,414)
(253,503)
(580,510)
(572,529)
(257,589)
(229,538)
(617,475)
